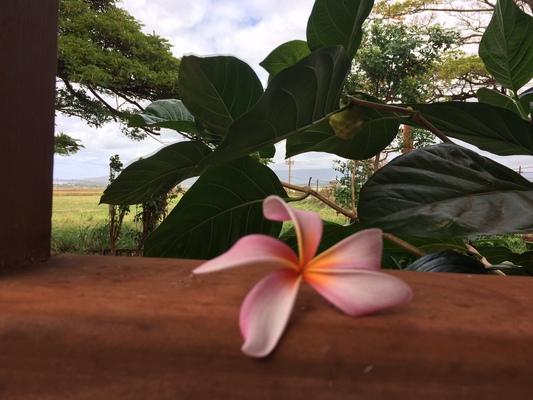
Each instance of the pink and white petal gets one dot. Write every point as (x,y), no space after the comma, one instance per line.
(258,250)
(360,292)
(266,310)
(361,250)
(307,224)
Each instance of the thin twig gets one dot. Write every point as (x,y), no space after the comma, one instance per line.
(131,101)
(308,191)
(471,249)
(418,117)
(353,216)
(403,244)
(414,114)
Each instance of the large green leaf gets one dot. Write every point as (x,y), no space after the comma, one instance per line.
(490,128)
(507,45)
(338,22)
(170,114)
(221,207)
(218,90)
(157,174)
(446,190)
(377,131)
(284,56)
(497,99)
(296,99)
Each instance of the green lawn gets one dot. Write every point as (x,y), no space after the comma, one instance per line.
(79,224)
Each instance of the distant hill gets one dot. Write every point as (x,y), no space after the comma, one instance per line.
(97,182)
(299,177)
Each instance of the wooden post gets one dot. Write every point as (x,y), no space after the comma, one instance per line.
(28,42)
(290,163)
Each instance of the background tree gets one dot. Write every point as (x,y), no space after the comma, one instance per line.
(473,15)
(353,174)
(107,66)
(116,212)
(64,145)
(398,63)
(460,74)
(151,213)
(397,60)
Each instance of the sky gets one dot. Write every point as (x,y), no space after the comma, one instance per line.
(247,29)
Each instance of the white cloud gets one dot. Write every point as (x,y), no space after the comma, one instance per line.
(248,30)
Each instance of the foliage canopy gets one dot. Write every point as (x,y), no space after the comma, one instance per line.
(107,66)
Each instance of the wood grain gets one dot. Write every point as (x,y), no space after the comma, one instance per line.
(131,328)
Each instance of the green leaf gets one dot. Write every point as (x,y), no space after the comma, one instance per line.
(525,260)
(446,190)
(218,90)
(170,114)
(506,47)
(526,98)
(490,128)
(268,151)
(157,174)
(338,22)
(509,262)
(297,98)
(284,56)
(497,99)
(377,131)
(224,205)
(447,261)
(396,257)
(497,254)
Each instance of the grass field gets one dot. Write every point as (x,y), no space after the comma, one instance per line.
(79,224)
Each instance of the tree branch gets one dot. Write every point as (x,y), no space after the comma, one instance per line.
(105,103)
(456,10)
(415,115)
(141,108)
(308,191)
(403,244)
(472,250)
(353,216)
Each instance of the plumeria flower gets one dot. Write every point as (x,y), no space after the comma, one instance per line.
(346,274)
